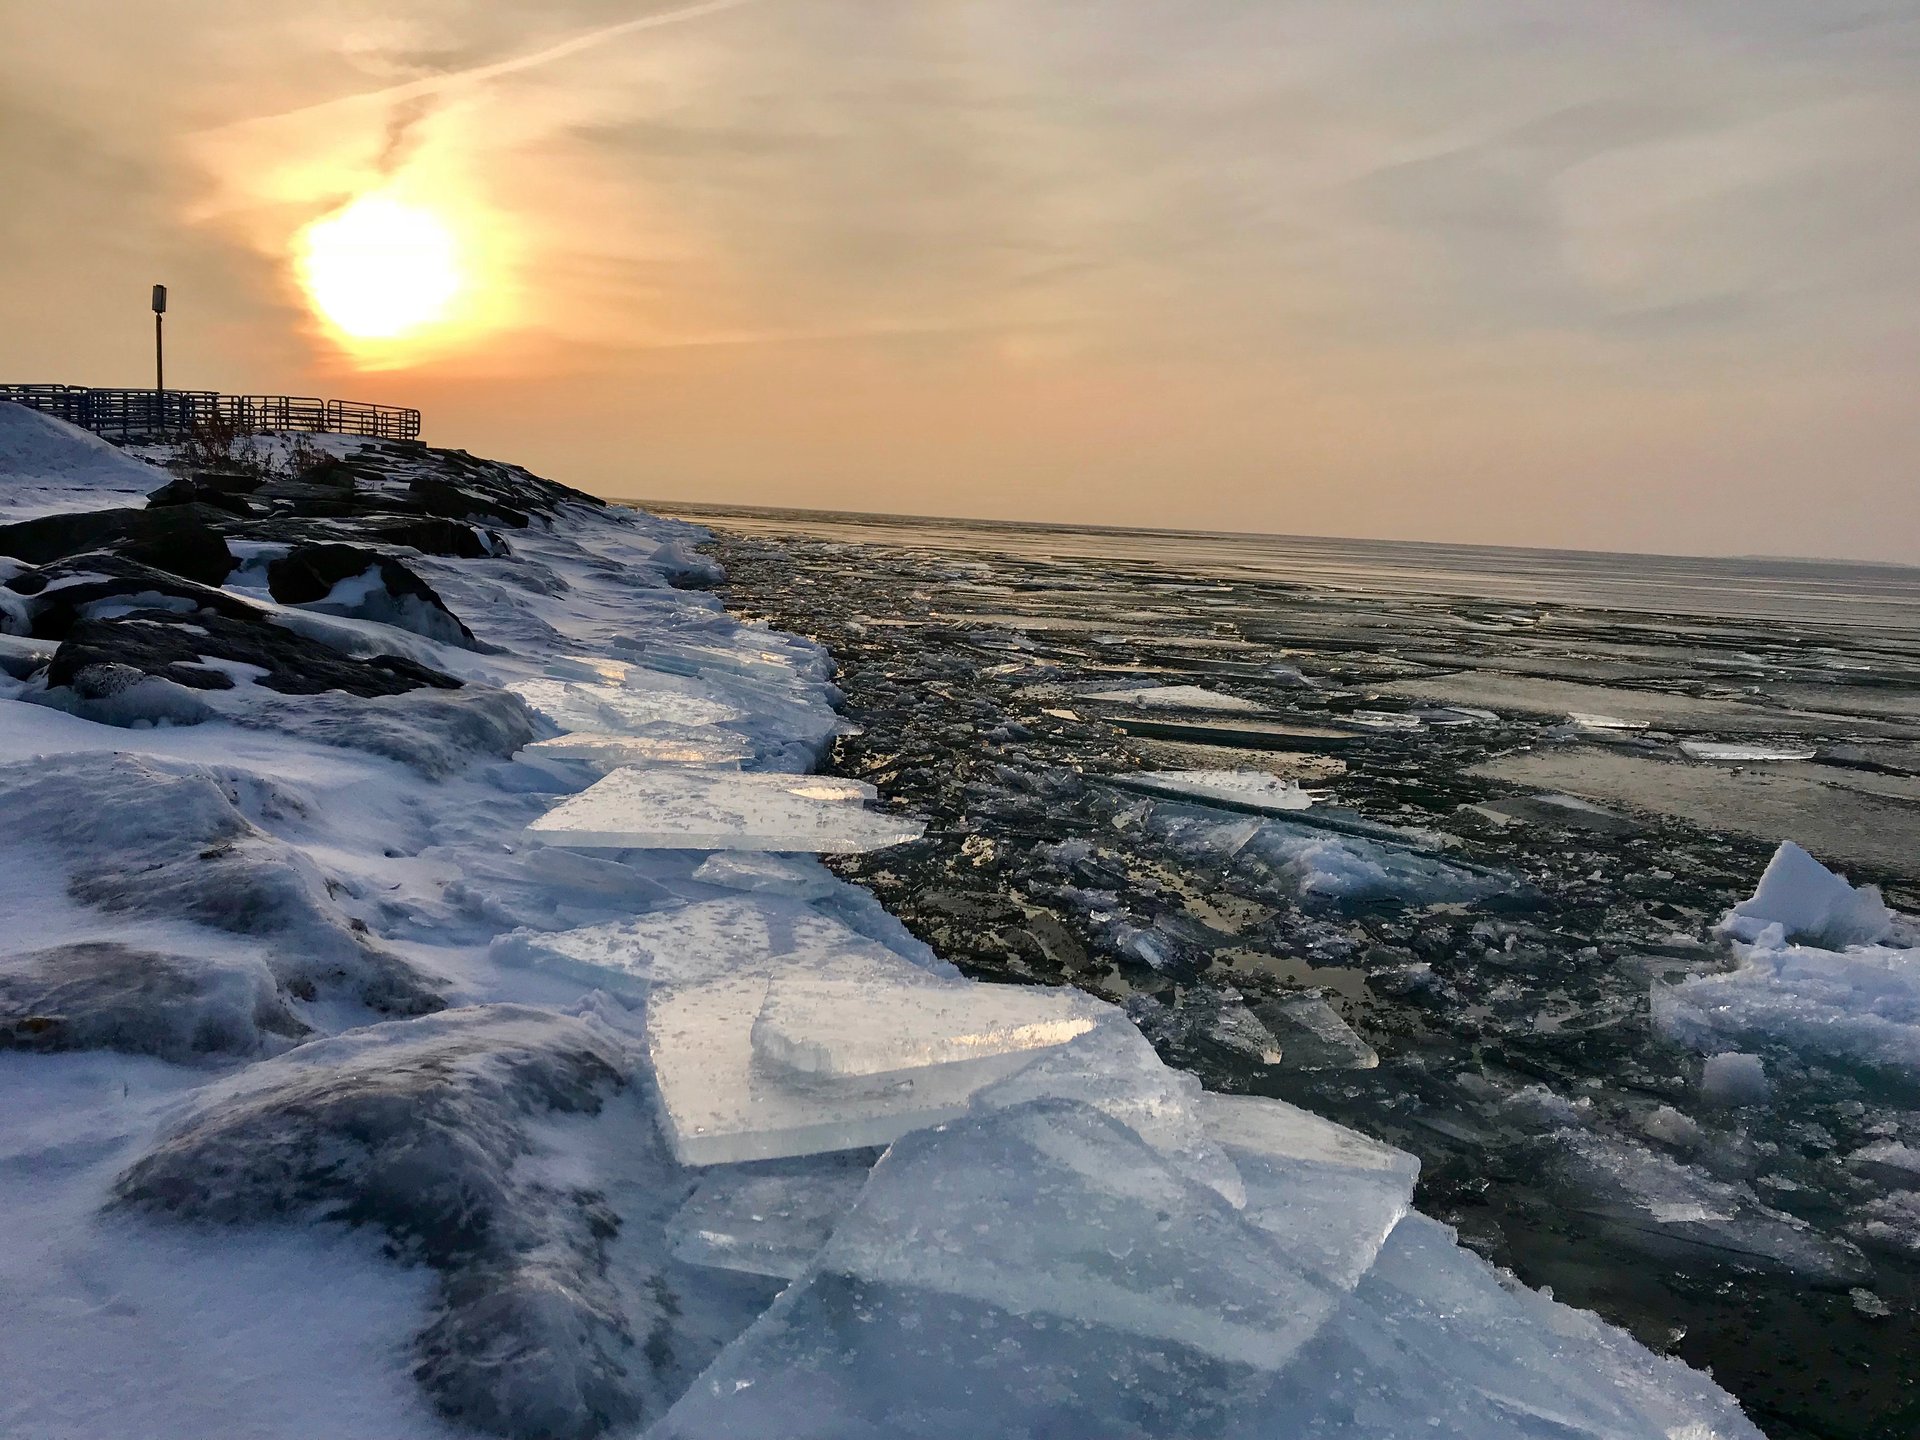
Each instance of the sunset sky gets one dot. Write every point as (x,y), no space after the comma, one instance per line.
(1607,274)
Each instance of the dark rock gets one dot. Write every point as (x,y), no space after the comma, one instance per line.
(102,995)
(175,646)
(182,539)
(308,574)
(455,502)
(63,590)
(191,491)
(419,1130)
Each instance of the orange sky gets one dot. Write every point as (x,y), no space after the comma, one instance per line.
(1621,275)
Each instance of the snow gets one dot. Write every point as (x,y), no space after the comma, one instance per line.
(686,809)
(337,1107)
(48,467)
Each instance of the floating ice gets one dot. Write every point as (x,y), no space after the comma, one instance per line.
(1809,903)
(831,1026)
(1251,790)
(1174,697)
(690,809)
(1731,1078)
(1668,1208)
(1889,1162)
(1312,1036)
(690,746)
(1860,1005)
(767,1219)
(1588,721)
(1728,751)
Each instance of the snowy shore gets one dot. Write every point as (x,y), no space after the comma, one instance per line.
(419,1017)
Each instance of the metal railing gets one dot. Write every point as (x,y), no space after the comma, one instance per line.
(171,412)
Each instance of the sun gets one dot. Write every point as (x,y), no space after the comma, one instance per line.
(379,268)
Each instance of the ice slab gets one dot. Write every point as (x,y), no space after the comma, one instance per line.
(838,1027)
(1174,697)
(1326,1195)
(722,1105)
(1586,720)
(757,872)
(1312,1036)
(767,1219)
(1809,902)
(690,746)
(1433,1343)
(691,809)
(1033,1272)
(1255,791)
(1730,751)
(1113,1069)
(614,957)
(620,709)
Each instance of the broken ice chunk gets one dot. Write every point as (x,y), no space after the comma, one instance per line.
(1312,1036)
(763,874)
(1052,1208)
(687,746)
(1717,750)
(1664,1207)
(1327,1195)
(1114,1070)
(689,809)
(620,709)
(1587,721)
(1174,697)
(1731,1078)
(1255,791)
(612,957)
(767,1219)
(838,1026)
(721,1107)
(1809,903)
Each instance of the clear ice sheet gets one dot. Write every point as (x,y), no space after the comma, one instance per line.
(687,809)
(839,1027)
(767,1219)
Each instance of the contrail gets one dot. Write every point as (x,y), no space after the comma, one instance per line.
(432,84)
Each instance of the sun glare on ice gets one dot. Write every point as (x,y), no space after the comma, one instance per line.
(380,268)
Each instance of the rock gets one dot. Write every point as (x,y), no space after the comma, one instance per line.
(178,647)
(421,1130)
(130,835)
(353,580)
(103,995)
(180,539)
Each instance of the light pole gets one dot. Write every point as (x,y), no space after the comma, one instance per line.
(159,346)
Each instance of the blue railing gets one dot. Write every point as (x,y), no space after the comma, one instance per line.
(172,412)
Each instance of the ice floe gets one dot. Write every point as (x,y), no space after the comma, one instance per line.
(1174,697)
(1252,790)
(686,809)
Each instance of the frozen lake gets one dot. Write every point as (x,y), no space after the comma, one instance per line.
(1452,818)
